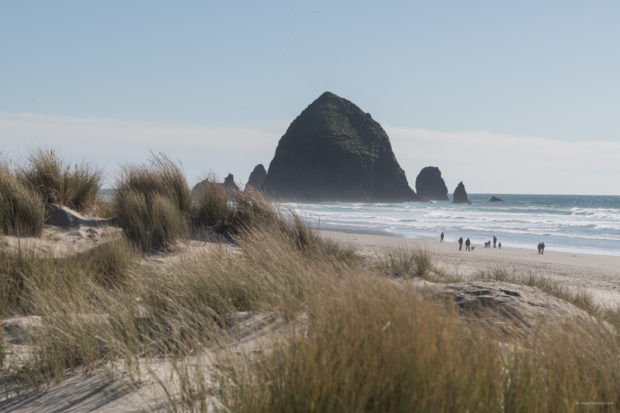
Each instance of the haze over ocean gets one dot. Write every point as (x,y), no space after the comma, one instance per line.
(568,223)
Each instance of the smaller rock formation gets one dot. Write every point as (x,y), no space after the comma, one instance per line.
(431,185)
(495,199)
(229,182)
(202,187)
(257,177)
(460,195)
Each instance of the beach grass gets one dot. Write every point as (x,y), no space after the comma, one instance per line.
(362,342)
(152,204)
(356,340)
(59,182)
(21,207)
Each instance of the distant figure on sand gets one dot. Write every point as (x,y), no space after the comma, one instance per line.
(467,245)
(542,248)
(494,241)
(460,243)
(499,245)
(441,237)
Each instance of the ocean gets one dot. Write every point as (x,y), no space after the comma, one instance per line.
(568,223)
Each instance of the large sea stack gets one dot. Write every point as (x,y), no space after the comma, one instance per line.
(335,152)
(460,195)
(257,177)
(430,185)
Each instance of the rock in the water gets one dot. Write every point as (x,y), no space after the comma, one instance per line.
(495,199)
(229,182)
(460,195)
(335,152)
(430,185)
(257,177)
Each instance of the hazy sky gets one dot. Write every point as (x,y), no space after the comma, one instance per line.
(510,98)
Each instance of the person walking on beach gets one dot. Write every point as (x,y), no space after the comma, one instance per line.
(441,237)
(539,248)
(460,243)
(467,245)
(494,241)
(542,248)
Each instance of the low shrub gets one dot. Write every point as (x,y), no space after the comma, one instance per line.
(60,183)
(21,208)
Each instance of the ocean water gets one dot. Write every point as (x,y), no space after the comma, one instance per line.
(569,223)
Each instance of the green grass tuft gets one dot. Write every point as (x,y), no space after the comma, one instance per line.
(152,204)
(21,208)
(60,183)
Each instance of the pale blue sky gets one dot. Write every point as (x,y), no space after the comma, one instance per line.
(547,71)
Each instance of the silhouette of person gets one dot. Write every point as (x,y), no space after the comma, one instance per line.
(441,237)
(539,247)
(499,245)
(542,248)
(494,241)
(460,243)
(467,244)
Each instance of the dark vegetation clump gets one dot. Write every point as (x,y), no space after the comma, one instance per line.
(21,208)
(152,204)
(60,183)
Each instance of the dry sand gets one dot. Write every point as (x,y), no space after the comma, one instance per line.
(599,275)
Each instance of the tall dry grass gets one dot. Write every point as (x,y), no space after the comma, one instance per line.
(362,342)
(373,346)
(21,208)
(59,182)
(152,204)
(402,262)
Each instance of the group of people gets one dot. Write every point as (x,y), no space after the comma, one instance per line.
(469,247)
(487,244)
(495,245)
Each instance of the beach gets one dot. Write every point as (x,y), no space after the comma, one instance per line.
(598,275)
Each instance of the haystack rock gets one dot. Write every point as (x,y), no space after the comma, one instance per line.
(495,199)
(335,152)
(430,185)
(257,177)
(460,195)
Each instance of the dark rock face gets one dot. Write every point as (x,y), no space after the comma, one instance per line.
(430,185)
(335,152)
(460,195)
(257,177)
(495,199)
(229,182)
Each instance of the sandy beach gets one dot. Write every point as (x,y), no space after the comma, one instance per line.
(599,275)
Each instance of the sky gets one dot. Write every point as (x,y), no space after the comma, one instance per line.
(508,97)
